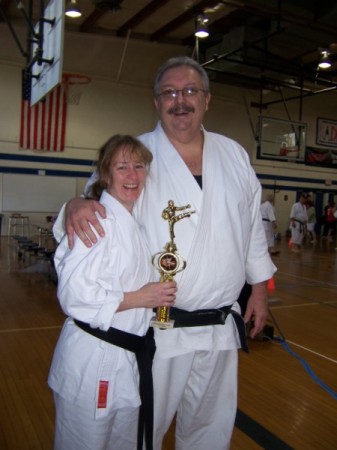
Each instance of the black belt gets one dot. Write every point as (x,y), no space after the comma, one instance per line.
(301,225)
(204,317)
(144,349)
(266,220)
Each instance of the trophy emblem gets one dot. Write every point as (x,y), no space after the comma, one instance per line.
(169,262)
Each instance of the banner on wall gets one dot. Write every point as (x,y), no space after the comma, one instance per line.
(326,132)
(320,157)
(43,126)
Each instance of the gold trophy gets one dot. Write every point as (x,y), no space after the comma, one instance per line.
(169,262)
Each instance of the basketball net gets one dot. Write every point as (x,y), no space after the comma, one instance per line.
(74,85)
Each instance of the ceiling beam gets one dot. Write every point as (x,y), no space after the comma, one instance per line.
(187,16)
(143,14)
(284,15)
(89,24)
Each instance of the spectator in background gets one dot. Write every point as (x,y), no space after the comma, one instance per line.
(324,222)
(311,212)
(298,223)
(269,222)
(330,221)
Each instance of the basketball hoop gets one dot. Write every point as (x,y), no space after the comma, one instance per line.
(292,153)
(75,85)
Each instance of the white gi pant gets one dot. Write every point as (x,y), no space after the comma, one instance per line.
(116,431)
(269,230)
(297,233)
(205,412)
(311,226)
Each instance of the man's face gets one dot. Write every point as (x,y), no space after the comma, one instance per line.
(184,113)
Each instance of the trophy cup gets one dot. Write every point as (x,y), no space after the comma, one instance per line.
(169,262)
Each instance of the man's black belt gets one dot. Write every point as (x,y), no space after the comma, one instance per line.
(204,317)
(266,220)
(144,349)
(301,225)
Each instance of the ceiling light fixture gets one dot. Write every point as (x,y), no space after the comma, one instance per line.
(324,62)
(201,29)
(73,9)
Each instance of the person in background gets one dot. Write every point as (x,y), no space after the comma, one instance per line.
(106,291)
(196,362)
(298,223)
(323,222)
(335,216)
(311,212)
(330,220)
(269,222)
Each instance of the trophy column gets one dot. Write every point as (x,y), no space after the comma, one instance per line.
(169,262)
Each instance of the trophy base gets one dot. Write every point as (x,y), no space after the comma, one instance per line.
(162,325)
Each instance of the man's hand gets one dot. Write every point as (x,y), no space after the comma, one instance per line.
(257,308)
(79,214)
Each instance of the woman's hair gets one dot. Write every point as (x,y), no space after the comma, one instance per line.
(107,153)
(180,61)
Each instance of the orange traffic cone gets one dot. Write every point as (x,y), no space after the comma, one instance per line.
(271,284)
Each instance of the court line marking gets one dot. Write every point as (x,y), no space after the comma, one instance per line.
(299,305)
(311,351)
(307,279)
(15,330)
(258,433)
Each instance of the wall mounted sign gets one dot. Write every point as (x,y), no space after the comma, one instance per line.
(326,132)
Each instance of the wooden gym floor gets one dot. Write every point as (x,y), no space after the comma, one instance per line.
(287,392)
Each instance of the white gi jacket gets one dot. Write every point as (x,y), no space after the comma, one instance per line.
(91,285)
(268,212)
(299,212)
(223,242)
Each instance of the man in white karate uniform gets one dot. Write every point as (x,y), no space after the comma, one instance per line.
(195,366)
(298,223)
(269,222)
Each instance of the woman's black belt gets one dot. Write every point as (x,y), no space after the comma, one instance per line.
(144,349)
(204,317)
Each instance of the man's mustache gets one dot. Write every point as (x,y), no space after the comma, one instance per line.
(182,108)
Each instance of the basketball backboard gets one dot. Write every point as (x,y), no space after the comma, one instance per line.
(282,140)
(47,73)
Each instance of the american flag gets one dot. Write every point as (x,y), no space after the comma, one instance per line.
(43,126)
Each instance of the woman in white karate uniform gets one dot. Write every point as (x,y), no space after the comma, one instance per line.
(95,383)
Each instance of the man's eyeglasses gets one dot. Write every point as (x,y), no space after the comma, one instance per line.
(187,92)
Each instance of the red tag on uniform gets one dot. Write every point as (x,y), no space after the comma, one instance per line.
(102,394)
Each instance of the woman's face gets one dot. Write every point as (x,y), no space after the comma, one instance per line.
(127,178)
